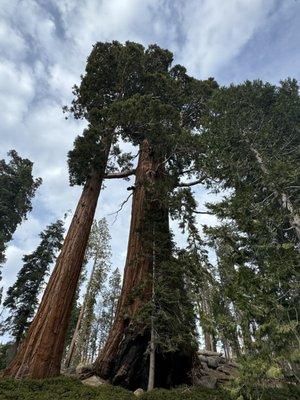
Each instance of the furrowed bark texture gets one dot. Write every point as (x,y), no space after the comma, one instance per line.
(40,354)
(124,360)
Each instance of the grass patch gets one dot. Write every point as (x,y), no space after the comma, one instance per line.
(60,388)
(186,393)
(63,388)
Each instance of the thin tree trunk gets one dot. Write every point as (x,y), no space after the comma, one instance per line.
(203,307)
(151,378)
(85,340)
(284,198)
(40,354)
(226,349)
(74,339)
(208,341)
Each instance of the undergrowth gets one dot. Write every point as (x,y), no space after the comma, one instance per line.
(63,388)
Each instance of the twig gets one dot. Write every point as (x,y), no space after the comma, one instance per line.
(121,207)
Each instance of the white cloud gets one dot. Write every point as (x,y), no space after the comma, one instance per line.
(43,47)
(16,92)
(13,45)
(217,30)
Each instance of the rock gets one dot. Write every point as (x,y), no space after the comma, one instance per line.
(232,364)
(202,358)
(204,366)
(228,370)
(94,381)
(207,381)
(220,376)
(138,392)
(84,371)
(209,353)
(213,362)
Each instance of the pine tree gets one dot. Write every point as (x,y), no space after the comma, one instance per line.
(23,297)
(17,188)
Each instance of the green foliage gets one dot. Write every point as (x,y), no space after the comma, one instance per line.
(22,297)
(135,93)
(4,350)
(17,188)
(70,389)
(252,139)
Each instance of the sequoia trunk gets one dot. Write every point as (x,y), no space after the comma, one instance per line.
(111,364)
(124,360)
(40,354)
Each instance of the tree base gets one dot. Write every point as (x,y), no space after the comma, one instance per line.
(130,366)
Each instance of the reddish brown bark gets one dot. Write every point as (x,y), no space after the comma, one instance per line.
(124,359)
(39,356)
(136,273)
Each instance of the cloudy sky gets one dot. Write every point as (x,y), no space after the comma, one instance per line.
(43,49)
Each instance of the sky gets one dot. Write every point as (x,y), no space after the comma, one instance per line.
(43,49)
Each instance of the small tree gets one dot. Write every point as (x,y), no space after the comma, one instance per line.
(23,297)
(110,296)
(104,314)
(99,252)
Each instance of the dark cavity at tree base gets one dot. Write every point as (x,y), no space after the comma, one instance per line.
(130,367)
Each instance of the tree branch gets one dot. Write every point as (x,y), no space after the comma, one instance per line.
(117,175)
(121,207)
(187,184)
(203,212)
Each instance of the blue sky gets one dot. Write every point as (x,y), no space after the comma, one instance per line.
(43,48)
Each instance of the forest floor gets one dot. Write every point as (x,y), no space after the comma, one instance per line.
(63,388)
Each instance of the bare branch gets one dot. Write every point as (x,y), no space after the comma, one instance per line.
(203,212)
(187,184)
(121,207)
(117,175)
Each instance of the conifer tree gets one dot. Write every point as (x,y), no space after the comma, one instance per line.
(114,73)
(17,188)
(251,137)
(23,297)
(167,152)
(99,252)
(104,313)
(110,296)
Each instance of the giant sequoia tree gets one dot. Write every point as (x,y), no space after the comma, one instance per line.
(163,124)
(112,74)
(124,357)
(130,92)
